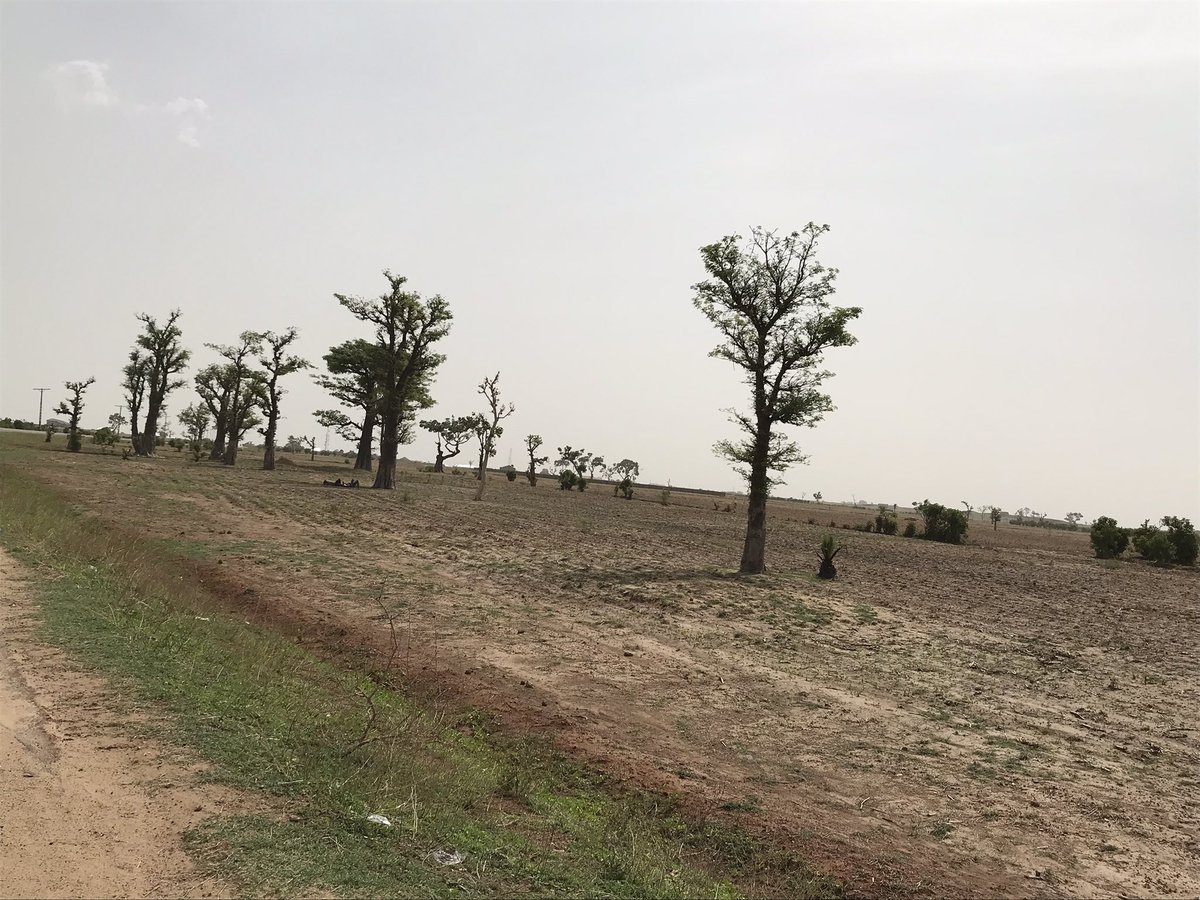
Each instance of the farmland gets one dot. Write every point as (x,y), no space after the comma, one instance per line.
(1009,716)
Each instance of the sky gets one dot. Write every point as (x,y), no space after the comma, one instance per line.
(1012,188)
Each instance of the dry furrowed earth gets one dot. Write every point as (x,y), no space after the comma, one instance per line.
(1007,717)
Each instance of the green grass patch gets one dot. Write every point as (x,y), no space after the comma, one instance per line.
(274,719)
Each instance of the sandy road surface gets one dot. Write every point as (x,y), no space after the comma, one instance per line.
(87,809)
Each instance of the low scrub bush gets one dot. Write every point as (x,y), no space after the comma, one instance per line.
(910,529)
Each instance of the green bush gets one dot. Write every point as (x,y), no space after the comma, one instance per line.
(1141,536)
(885,524)
(1108,540)
(511,474)
(942,524)
(1183,539)
(910,530)
(567,480)
(1157,548)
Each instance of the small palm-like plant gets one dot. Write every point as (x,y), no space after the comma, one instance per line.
(828,551)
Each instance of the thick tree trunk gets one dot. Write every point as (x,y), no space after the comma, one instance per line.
(269,438)
(231,449)
(363,461)
(385,478)
(218,447)
(146,446)
(754,551)
(439,464)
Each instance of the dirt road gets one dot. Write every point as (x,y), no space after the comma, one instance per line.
(87,808)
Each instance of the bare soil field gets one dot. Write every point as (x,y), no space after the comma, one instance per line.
(1009,717)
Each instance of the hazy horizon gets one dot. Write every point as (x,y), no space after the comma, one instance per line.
(1013,191)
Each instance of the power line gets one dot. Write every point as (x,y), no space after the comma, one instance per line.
(41,395)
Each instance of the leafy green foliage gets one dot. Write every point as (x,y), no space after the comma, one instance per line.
(942,523)
(910,529)
(1108,539)
(1182,536)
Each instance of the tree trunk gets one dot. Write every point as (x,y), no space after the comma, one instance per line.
(363,461)
(269,438)
(218,447)
(754,551)
(482,477)
(389,444)
(146,446)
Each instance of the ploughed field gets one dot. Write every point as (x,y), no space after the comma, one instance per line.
(1009,716)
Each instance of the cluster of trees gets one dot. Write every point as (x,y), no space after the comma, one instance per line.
(1175,542)
(576,467)
(235,394)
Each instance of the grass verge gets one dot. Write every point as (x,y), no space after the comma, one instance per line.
(274,719)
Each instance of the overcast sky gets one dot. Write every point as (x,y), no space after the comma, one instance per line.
(1012,188)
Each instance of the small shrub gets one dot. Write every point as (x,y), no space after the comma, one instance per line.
(626,488)
(511,474)
(665,497)
(567,480)
(1108,540)
(829,550)
(885,524)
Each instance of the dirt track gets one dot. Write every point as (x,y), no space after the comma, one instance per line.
(1010,717)
(86,808)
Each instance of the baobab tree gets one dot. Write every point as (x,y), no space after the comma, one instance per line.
(214,384)
(72,408)
(770,300)
(406,327)
(245,389)
(163,360)
(135,374)
(451,434)
(489,426)
(194,420)
(277,363)
(353,380)
(532,443)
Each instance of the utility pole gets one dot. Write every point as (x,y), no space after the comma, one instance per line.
(41,395)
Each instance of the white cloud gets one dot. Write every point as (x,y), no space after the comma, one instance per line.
(82,81)
(182,105)
(188,135)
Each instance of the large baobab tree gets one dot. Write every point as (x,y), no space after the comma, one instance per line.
(489,426)
(353,380)
(769,298)
(277,363)
(406,327)
(245,388)
(451,434)
(164,358)
(214,384)
(72,408)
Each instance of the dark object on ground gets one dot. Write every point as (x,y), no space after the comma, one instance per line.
(828,570)
(353,483)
